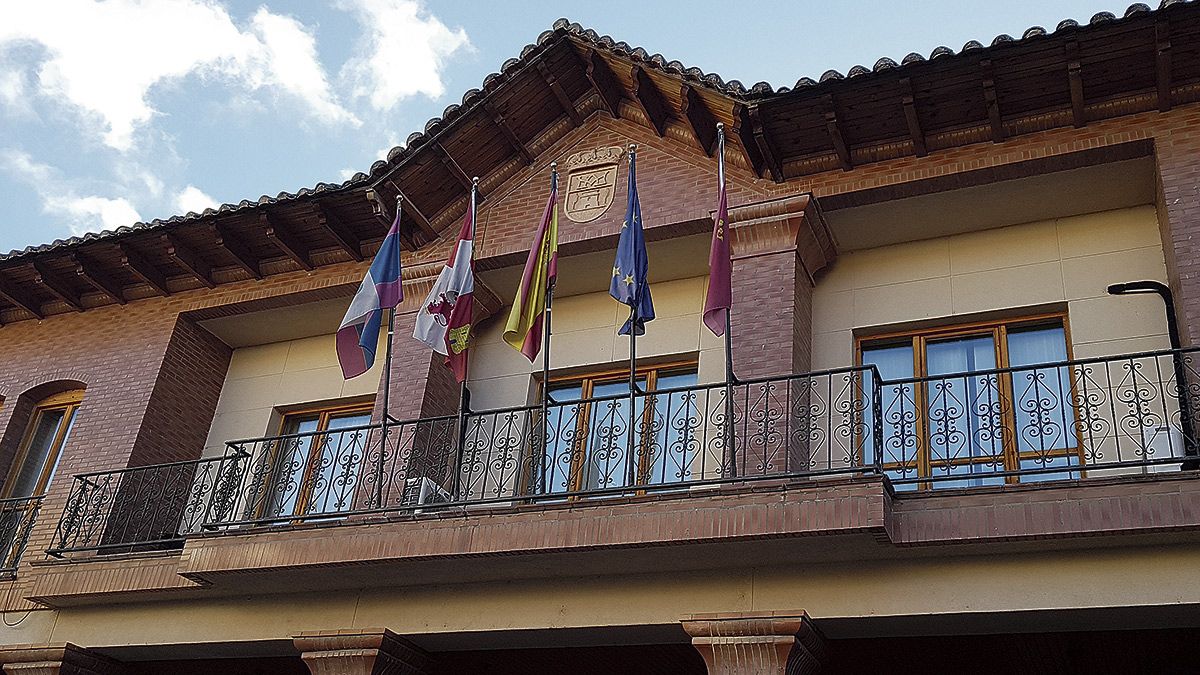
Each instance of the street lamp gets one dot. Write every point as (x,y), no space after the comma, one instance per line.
(1181,383)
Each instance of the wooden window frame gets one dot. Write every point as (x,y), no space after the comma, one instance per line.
(587,382)
(919,339)
(324,413)
(68,402)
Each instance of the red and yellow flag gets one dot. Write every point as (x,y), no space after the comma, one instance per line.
(524,328)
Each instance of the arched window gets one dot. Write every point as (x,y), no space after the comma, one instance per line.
(38,454)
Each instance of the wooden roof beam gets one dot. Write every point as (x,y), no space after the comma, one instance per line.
(1075,77)
(990,100)
(701,119)
(516,143)
(1162,63)
(337,230)
(763,142)
(98,279)
(742,129)
(387,216)
(286,241)
(237,249)
(189,260)
(20,298)
(56,287)
(650,99)
(455,170)
(142,269)
(834,128)
(556,88)
(908,101)
(605,82)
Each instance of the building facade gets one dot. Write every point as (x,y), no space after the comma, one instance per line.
(958,437)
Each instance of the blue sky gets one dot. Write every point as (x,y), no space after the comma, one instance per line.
(125,110)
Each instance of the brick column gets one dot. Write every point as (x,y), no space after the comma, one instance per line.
(1177,156)
(65,659)
(778,248)
(368,651)
(783,643)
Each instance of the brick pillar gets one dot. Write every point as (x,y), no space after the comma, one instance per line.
(779,246)
(1177,155)
(65,659)
(781,643)
(369,651)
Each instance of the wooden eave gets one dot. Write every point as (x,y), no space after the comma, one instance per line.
(1076,74)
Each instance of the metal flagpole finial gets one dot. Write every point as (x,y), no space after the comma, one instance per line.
(632,147)
(720,126)
(553,167)
(475,182)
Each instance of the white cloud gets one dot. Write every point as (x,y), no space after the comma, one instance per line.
(104,58)
(402,53)
(192,199)
(82,213)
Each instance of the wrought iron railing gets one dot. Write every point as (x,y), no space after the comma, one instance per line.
(136,509)
(1063,420)
(1070,419)
(17,516)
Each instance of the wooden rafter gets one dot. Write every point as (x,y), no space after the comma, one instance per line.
(337,230)
(507,131)
(704,125)
(605,82)
(908,101)
(98,279)
(189,260)
(286,241)
(386,216)
(834,129)
(237,249)
(56,287)
(418,216)
(556,88)
(19,297)
(1075,77)
(141,268)
(1162,63)
(763,142)
(743,131)
(455,170)
(991,101)
(650,100)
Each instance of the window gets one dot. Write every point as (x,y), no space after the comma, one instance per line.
(39,452)
(975,401)
(315,463)
(588,440)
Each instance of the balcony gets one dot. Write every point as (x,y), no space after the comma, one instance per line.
(17,516)
(1064,421)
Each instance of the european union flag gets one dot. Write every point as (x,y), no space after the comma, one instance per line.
(629,284)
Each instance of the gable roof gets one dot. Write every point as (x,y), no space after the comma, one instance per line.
(1107,67)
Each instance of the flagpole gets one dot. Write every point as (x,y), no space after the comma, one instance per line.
(387,383)
(633,316)
(464,394)
(547,325)
(730,377)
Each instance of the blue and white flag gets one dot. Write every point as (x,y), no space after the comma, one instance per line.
(383,288)
(629,283)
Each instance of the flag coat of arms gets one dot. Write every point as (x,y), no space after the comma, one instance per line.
(444,322)
(358,336)
(629,283)
(523,331)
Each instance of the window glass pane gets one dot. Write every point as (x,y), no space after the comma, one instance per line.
(965,413)
(606,464)
(671,445)
(339,456)
(41,443)
(562,426)
(291,459)
(898,406)
(1044,419)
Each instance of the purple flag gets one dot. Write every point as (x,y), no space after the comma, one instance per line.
(382,288)
(720,271)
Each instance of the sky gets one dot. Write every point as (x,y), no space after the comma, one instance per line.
(121,111)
